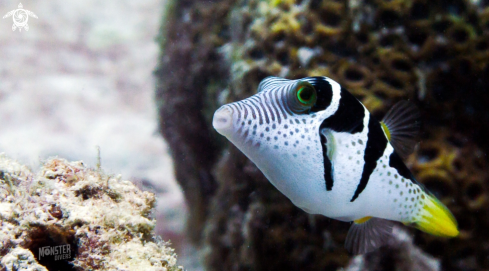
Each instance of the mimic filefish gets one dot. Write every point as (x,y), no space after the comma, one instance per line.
(320,146)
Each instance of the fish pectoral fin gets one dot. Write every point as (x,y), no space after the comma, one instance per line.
(328,145)
(368,234)
(435,218)
(329,141)
(401,126)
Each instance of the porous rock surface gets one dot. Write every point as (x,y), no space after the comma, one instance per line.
(104,221)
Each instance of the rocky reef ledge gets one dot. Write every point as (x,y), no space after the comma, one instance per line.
(70,217)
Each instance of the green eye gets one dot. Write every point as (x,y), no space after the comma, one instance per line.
(306,95)
(301,97)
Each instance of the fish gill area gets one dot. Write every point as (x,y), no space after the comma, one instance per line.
(433,53)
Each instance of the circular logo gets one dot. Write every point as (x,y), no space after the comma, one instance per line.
(20,17)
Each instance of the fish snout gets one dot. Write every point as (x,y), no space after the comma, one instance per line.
(223,121)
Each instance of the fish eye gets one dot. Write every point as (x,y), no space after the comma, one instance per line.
(306,94)
(302,97)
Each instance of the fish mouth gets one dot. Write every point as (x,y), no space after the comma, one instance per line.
(223,121)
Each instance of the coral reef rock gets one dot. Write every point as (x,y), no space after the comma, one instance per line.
(434,53)
(70,217)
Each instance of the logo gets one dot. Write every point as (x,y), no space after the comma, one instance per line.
(20,17)
(61,252)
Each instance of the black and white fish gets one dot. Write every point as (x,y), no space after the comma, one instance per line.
(320,146)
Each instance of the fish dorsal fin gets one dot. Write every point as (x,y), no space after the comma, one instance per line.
(368,234)
(401,125)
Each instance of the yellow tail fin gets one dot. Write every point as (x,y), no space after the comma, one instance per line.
(436,219)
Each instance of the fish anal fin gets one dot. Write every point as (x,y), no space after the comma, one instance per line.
(362,220)
(401,126)
(435,218)
(368,234)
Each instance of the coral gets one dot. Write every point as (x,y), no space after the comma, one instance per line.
(70,217)
(434,53)
(21,259)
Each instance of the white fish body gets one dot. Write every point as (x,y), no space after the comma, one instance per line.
(330,157)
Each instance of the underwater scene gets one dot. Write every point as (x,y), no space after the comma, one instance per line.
(244,135)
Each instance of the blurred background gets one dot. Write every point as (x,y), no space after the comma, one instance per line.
(81,77)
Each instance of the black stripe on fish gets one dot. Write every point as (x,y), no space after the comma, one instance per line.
(269,110)
(256,101)
(280,105)
(395,161)
(250,103)
(272,102)
(348,117)
(271,81)
(237,110)
(376,144)
(328,176)
(324,92)
(245,111)
(265,112)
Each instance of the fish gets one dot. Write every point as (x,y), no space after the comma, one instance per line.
(321,147)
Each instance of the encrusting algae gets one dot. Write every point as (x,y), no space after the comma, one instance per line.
(71,217)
